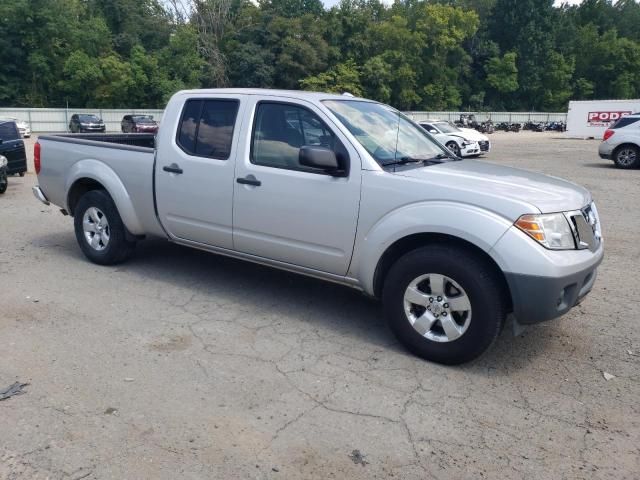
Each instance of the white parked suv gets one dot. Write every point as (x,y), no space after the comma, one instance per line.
(621,142)
(464,142)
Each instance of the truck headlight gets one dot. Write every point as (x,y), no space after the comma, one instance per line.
(550,230)
(3,161)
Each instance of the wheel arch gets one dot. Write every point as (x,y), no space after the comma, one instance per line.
(88,175)
(418,240)
(625,144)
(78,189)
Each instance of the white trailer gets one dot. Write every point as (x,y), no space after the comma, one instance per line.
(590,118)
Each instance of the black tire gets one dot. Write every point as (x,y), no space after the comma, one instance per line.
(627,157)
(118,248)
(454,147)
(4,183)
(480,282)
(21,174)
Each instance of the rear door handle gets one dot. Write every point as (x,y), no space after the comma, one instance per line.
(249,180)
(173,168)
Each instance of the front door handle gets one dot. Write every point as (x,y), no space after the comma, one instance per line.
(173,168)
(249,180)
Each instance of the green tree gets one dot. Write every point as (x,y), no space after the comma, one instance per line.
(344,77)
(502,73)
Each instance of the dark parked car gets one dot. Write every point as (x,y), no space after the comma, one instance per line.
(85,122)
(139,124)
(12,147)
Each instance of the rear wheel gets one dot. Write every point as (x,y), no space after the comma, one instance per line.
(454,147)
(627,156)
(4,182)
(99,229)
(444,303)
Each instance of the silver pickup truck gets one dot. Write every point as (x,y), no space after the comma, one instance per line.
(343,189)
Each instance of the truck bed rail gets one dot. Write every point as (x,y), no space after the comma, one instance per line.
(123,141)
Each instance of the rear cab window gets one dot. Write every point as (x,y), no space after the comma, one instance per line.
(206,127)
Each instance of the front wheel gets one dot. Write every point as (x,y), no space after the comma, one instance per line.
(627,156)
(454,147)
(99,229)
(445,304)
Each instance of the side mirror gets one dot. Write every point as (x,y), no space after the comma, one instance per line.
(321,158)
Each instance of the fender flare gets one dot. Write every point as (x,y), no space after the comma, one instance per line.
(474,225)
(105,176)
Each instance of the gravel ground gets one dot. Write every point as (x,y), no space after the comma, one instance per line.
(182,364)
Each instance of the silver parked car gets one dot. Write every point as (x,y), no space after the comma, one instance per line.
(621,142)
(343,189)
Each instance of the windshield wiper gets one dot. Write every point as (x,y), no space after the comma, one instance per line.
(404,160)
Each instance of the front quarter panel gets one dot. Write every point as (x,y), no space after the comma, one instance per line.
(380,226)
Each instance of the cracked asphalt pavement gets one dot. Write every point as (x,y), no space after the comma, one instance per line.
(182,364)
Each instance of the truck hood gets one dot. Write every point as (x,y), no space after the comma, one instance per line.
(506,190)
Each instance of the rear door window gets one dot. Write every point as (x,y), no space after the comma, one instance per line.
(624,122)
(206,127)
(9,131)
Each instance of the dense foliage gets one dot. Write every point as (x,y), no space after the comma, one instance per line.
(414,54)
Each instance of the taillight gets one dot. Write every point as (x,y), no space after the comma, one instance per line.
(608,134)
(36,157)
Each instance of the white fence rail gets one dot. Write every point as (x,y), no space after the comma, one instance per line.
(495,117)
(57,119)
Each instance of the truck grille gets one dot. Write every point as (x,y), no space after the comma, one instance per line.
(586,227)
(484,145)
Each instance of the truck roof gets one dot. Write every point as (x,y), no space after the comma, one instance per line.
(278,93)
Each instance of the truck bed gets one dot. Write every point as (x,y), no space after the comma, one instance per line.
(124,161)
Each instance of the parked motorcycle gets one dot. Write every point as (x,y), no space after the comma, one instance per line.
(556,126)
(534,126)
(4,182)
(467,121)
(486,127)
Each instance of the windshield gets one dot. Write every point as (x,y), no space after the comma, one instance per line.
(143,119)
(384,132)
(88,118)
(446,127)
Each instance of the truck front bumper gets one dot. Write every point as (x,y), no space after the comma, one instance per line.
(537,299)
(544,284)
